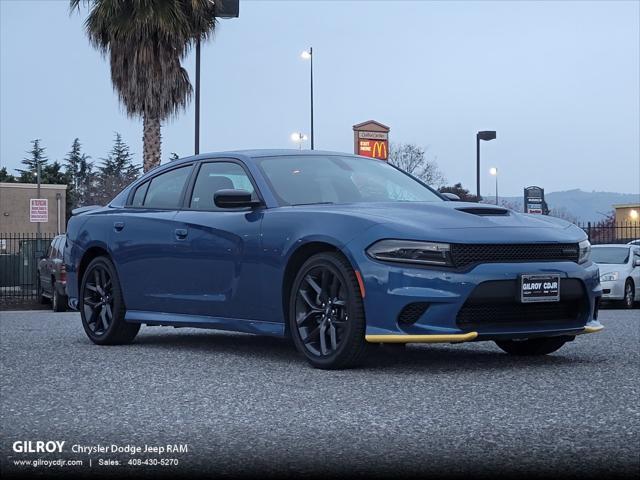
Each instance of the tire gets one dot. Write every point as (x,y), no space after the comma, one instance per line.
(102,307)
(58,301)
(629,295)
(534,346)
(325,301)
(41,298)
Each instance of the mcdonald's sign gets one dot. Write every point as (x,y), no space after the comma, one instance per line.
(374,148)
(371,139)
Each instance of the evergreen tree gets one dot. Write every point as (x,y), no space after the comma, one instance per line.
(117,170)
(53,174)
(81,176)
(36,156)
(6,176)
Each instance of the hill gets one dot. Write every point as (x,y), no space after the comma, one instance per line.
(584,206)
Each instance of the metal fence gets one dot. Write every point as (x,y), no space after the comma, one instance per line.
(608,232)
(19,257)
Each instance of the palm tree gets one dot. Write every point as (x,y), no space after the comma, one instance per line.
(145,41)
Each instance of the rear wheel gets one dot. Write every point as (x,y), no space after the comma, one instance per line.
(326,313)
(41,297)
(58,300)
(102,307)
(534,346)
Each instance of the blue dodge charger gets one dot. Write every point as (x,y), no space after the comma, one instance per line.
(333,250)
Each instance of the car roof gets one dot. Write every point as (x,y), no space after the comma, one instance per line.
(259,153)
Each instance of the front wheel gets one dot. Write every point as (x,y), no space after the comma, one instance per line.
(629,295)
(534,346)
(326,313)
(102,307)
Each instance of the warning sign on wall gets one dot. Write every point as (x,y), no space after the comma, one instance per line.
(38,210)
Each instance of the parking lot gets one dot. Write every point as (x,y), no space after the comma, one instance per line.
(245,404)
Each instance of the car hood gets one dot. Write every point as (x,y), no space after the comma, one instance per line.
(612,267)
(471,222)
(443,215)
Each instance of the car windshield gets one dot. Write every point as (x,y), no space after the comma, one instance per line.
(310,179)
(612,255)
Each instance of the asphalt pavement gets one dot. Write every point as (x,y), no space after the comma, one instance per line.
(245,404)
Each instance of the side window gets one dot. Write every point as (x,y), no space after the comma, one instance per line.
(216,176)
(138,197)
(165,190)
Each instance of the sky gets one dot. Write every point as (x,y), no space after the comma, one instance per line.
(558,81)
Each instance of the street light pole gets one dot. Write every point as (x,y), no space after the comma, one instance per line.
(484,135)
(478,166)
(38,171)
(494,171)
(311,54)
(308,55)
(225,9)
(197,137)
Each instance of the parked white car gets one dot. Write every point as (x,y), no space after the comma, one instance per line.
(619,272)
(634,242)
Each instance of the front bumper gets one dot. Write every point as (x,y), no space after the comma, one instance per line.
(390,288)
(613,290)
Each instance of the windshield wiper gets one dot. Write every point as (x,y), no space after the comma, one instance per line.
(311,203)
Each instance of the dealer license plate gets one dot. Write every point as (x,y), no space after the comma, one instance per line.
(539,288)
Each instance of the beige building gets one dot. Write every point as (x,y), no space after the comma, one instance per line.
(627,221)
(16,208)
(627,214)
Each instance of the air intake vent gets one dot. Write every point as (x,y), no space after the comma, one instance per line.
(412,312)
(485,212)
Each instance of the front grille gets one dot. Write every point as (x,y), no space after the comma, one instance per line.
(412,312)
(467,254)
(497,304)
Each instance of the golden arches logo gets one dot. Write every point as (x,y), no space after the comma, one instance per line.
(379,150)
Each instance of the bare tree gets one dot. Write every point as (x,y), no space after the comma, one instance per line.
(411,158)
(564,214)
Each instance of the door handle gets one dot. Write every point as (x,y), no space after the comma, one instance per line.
(181,233)
(118,226)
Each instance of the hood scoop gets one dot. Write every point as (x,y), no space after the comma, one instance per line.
(485,211)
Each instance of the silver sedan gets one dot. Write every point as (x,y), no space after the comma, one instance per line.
(619,272)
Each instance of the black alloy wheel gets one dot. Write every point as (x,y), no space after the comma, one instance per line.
(326,315)
(101,305)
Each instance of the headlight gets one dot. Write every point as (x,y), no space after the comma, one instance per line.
(609,277)
(408,251)
(584,254)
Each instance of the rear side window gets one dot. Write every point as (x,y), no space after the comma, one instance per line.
(138,197)
(216,176)
(165,190)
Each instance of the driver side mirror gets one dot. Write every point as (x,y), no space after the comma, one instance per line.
(451,196)
(232,198)
(636,262)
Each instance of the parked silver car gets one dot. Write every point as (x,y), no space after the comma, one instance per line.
(619,272)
